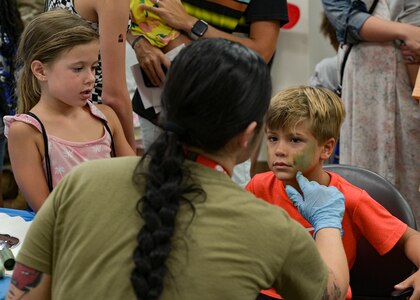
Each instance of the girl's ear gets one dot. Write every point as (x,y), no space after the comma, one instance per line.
(327,149)
(38,69)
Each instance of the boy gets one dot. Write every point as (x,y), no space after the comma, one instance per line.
(302,127)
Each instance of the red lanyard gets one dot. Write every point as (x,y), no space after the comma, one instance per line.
(202,160)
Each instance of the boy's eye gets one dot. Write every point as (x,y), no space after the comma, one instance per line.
(78,69)
(295,140)
(271,138)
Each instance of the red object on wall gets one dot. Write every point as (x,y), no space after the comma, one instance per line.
(294,15)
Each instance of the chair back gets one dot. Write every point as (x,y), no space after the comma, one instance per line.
(374,276)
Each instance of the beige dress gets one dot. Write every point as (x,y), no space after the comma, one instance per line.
(382,128)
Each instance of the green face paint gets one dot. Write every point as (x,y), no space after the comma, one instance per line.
(303,160)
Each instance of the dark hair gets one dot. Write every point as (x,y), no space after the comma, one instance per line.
(329,32)
(215,88)
(11,27)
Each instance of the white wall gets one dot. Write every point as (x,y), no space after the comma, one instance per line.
(300,48)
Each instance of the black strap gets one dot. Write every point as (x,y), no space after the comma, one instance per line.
(47,157)
(346,54)
(113,153)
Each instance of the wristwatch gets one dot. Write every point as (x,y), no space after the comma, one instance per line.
(198,30)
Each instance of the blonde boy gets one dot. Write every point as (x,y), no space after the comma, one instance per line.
(303,124)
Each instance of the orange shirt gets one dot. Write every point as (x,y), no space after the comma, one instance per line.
(363,216)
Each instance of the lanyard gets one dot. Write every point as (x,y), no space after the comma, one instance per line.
(202,160)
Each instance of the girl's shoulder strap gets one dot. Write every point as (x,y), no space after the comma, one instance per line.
(100,115)
(46,155)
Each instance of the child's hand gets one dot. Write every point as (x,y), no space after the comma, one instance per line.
(322,206)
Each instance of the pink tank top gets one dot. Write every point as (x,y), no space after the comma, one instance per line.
(64,155)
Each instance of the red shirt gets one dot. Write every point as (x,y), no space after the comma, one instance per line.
(363,216)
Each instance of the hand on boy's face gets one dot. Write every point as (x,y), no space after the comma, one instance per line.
(289,152)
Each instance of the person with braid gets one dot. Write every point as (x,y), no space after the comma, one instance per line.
(172,224)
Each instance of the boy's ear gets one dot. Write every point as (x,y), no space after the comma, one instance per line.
(327,149)
(38,69)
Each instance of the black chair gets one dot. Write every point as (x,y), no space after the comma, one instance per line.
(374,276)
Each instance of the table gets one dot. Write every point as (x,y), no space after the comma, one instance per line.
(27,216)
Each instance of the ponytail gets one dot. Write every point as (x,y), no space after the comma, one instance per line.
(166,184)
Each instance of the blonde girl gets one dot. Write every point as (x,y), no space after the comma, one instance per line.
(59,53)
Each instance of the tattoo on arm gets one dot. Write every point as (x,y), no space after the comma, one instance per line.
(120,38)
(335,293)
(23,279)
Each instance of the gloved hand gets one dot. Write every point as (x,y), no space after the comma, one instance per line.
(322,206)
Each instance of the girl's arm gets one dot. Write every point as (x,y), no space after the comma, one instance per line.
(113,16)
(410,243)
(122,148)
(25,146)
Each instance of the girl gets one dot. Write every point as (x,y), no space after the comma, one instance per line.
(110,19)
(59,53)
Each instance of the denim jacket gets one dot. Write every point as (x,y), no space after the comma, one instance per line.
(347,17)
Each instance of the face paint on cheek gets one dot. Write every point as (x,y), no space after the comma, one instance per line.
(304,159)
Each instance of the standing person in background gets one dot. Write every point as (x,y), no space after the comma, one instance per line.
(381,131)
(255,24)
(110,18)
(11,27)
(176,231)
(326,71)
(29,9)
(327,74)
(58,52)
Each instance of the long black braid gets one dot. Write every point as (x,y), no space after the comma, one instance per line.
(11,27)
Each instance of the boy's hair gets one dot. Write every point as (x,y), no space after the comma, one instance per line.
(320,106)
(45,38)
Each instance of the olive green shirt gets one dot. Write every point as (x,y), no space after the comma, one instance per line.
(231,248)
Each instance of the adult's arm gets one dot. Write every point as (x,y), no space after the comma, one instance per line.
(346,18)
(262,38)
(150,59)
(353,24)
(330,247)
(113,18)
(28,283)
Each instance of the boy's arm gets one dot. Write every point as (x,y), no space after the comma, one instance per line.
(410,243)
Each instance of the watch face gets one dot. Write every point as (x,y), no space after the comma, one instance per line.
(199,28)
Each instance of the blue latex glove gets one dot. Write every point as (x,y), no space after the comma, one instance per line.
(322,206)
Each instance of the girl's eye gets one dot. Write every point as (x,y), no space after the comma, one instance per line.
(295,140)
(77,69)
